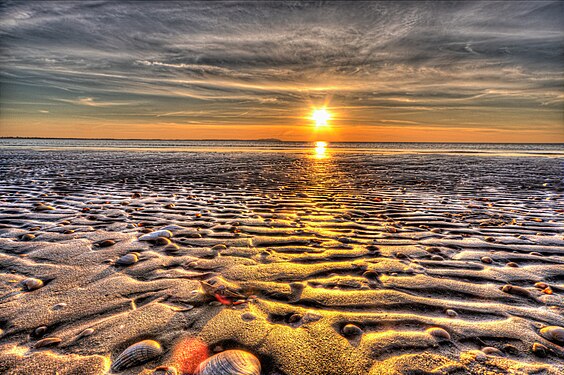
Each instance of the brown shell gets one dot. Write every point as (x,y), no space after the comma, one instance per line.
(48,341)
(438,333)
(137,354)
(230,362)
(553,333)
(32,284)
(127,260)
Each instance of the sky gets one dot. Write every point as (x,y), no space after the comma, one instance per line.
(489,71)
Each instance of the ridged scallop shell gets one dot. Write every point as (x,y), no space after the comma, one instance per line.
(230,362)
(32,284)
(127,260)
(553,333)
(154,235)
(137,354)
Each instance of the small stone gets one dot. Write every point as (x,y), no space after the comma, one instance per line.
(541,285)
(401,256)
(512,264)
(437,258)
(451,313)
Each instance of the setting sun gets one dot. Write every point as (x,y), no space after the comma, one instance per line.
(320,116)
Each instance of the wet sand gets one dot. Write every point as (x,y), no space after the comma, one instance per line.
(349,263)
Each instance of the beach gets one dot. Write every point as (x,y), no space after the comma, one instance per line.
(316,260)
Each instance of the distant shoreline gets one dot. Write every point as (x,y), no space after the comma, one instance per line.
(269,140)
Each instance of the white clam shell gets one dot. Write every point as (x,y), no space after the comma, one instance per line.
(154,235)
(230,362)
(137,354)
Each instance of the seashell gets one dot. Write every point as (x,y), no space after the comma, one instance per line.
(541,285)
(165,370)
(451,313)
(535,253)
(352,330)
(490,350)
(230,362)
(32,284)
(48,341)
(401,256)
(438,333)
(540,350)
(137,354)
(106,243)
(43,207)
(437,257)
(516,290)
(510,349)
(371,275)
(553,333)
(59,306)
(512,264)
(156,234)
(136,195)
(172,248)
(27,237)
(487,260)
(127,260)
(87,332)
(294,318)
(39,331)
(162,241)
(248,317)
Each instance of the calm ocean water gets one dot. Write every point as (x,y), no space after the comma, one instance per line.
(226,146)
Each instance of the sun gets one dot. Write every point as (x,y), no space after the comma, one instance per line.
(320,116)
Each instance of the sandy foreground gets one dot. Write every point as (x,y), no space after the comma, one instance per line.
(343,264)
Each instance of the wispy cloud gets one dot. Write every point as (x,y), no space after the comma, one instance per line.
(375,62)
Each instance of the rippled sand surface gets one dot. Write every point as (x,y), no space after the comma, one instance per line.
(397,245)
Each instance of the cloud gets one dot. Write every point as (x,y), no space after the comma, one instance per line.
(264,58)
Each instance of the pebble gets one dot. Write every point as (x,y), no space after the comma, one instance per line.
(512,264)
(294,318)
(87,332)
(451,313)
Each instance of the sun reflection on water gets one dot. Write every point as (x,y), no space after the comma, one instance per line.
(321,150)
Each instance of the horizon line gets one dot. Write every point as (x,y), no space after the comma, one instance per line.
(265,140)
